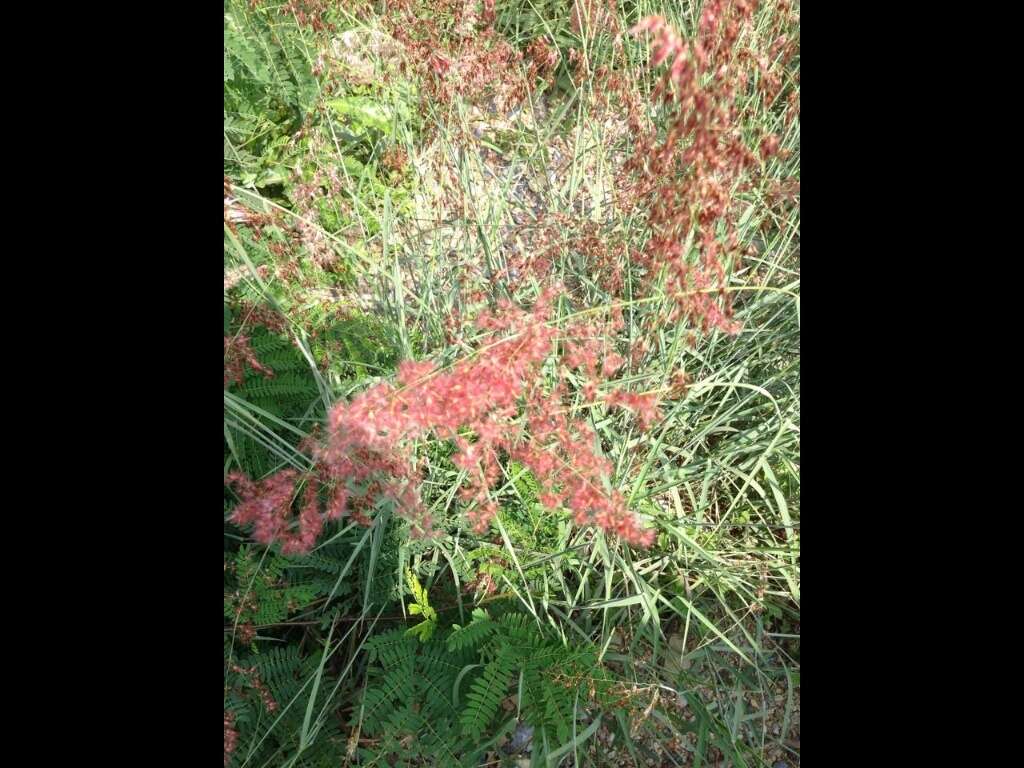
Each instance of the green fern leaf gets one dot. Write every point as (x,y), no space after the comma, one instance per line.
(485,695)
(473,634)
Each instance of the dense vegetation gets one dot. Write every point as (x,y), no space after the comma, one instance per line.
(511,383)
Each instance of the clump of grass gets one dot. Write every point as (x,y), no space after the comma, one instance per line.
(665,377)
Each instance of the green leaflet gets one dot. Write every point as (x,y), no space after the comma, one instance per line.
(363,113)
(421,606)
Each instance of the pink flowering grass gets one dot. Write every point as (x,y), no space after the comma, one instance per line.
(492,404)
(507,398)
(544,276)
(687,181)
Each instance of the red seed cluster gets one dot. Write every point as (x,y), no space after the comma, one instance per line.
(267,505)
(644,406)
(310,13)
(490,404)
(543,58)
(590,17)
(466,58)
(230,736)
(253,314)
(564,457)
(246,633)
(261,688)
(238,353)
(301,230)
(554,233)
(688,180)
(605,254)
(235,213)
(476,396)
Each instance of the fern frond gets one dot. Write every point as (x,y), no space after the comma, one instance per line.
(485,696)
(289,385)
(525,483)
(278,664)
(473,634)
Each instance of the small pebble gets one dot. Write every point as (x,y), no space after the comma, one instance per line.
(521,738)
